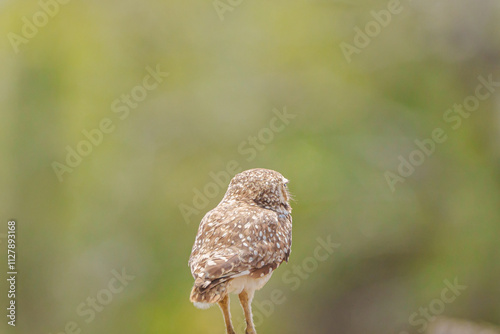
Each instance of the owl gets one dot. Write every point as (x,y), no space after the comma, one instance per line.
(241,242)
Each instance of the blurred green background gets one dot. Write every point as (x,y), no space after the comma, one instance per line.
(133,202)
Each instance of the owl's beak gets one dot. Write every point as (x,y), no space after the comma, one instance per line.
(285,194)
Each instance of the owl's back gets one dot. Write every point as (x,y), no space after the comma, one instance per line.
(236,239)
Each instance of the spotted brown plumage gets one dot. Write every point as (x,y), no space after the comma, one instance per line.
(242,241)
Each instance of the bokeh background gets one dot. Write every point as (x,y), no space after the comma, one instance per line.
(232,67)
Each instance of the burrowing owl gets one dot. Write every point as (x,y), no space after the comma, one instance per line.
(241,242)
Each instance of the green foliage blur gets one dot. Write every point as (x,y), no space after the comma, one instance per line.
(122,119)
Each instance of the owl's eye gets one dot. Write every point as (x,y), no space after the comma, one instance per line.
(285,182)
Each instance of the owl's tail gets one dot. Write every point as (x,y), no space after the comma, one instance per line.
(206,293)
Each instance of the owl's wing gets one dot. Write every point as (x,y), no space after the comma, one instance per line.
(237,241)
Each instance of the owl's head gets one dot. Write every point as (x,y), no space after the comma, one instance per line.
(263,187)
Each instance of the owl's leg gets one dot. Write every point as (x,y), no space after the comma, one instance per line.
(224,306)
(246,303)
